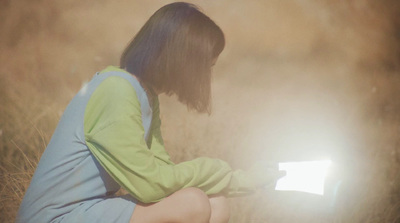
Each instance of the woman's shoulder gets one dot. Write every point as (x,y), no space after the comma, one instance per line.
(113,76)
(116,81)
(113,99)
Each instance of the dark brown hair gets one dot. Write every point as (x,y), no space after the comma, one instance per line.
(173,53)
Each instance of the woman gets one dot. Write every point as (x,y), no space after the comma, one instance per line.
(109,136)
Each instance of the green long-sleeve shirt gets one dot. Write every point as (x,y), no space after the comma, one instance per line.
(115,135)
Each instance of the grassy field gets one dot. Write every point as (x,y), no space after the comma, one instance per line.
(297,80)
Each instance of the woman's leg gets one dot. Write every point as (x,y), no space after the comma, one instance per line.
(186,205)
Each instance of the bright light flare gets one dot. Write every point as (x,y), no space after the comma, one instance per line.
(305,176)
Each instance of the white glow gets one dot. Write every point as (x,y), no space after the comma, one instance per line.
(303,176)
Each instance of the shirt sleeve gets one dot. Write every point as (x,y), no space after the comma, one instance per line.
(114,134)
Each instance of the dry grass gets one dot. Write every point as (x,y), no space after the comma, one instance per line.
(325,72)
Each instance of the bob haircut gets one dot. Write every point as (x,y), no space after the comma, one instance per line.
(173,53)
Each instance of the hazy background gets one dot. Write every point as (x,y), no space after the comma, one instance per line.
(298,80)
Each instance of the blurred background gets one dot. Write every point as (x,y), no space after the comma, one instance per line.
(298,80)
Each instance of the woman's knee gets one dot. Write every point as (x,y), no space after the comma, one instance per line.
(196,205)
